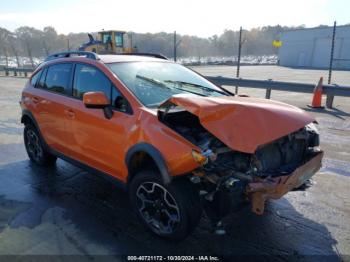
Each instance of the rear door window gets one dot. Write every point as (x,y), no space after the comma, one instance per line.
(58,78)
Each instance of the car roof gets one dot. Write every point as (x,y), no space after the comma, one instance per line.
(107,59)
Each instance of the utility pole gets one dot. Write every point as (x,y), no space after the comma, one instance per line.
(131,47)
(68,46)
(176,43)
(332,54)
(239,56)
(330,98)
(7,60)
(175,46)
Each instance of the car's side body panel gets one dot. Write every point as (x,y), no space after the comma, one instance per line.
(49,111)
(95,140)
(175,149)
(84,134)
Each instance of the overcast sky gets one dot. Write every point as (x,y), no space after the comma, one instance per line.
(195,17)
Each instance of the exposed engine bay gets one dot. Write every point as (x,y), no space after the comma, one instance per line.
(230,179)
(277,158)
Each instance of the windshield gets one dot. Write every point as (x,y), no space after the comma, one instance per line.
(154,82)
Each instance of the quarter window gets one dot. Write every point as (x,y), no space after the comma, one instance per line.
(58,78)
(41,82)
(90,79)
(35,78)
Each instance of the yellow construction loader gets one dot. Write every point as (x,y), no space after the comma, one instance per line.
(109,42)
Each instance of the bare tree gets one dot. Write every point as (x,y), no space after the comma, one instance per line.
(12,39)
(49,39)
(4,44)
(30,40)
(6,56)
(29,52)
(46,48)
(34,43)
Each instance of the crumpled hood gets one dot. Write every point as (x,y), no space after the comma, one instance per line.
(243,123)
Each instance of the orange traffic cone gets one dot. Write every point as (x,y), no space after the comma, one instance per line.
(317,98)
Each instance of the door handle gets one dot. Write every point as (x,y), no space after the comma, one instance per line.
(35,100)
(70,113)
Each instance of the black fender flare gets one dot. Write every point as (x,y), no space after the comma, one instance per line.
(154,154)
(27,113)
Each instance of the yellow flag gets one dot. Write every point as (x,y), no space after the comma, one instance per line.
(277,43)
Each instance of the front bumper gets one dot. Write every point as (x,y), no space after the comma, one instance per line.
(275,187)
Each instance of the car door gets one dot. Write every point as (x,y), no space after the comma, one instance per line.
(97,141)
(34,99)
(51,93)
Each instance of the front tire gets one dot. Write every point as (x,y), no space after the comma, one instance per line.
(36,151)
(170,211)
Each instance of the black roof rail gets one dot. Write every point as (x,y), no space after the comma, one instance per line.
(90,55)
(147,54)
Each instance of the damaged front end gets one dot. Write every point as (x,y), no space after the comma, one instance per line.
(229,178)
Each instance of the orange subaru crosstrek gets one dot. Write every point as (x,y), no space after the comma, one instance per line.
(178,143)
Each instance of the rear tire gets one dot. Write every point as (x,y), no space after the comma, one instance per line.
(35,148)
(170,211)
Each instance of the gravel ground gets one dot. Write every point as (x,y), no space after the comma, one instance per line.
(66,211)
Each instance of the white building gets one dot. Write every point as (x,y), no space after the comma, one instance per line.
(312,48)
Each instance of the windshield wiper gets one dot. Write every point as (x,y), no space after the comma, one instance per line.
(153,81)
(161,84)
(208,89)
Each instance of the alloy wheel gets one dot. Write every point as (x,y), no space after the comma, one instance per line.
(33,145)
(158,208)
